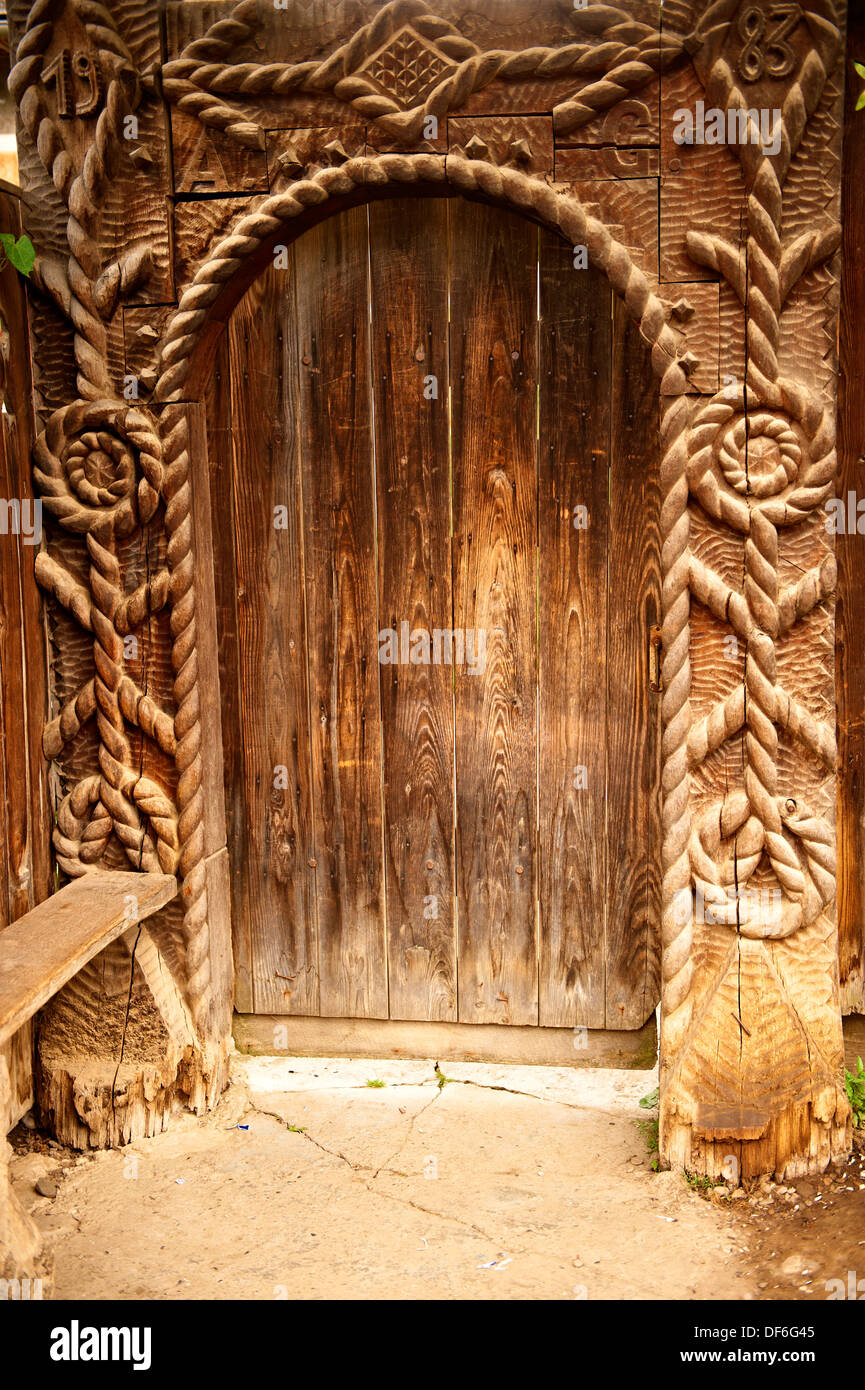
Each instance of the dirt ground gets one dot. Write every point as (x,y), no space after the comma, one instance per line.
(497,1183)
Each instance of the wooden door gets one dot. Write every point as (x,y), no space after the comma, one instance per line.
(434,461)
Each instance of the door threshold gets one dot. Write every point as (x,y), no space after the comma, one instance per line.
(278,1035)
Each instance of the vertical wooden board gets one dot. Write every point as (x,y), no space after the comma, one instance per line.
(850,611)
(13,745)
(331,267)
(409,284)
(25,828)
(633,712)
(220,453)
(576,347)
(212,756)
(278,898)
(17,1053)
(23,672)
(494,440)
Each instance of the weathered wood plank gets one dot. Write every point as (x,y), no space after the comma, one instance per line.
(576,347)
(50,944)
(220,446)
(25,829)
(206,619)
(331,275)
(633,711)
(494,420)
(850,611)
(409,286)
(447,1042)
(278,886)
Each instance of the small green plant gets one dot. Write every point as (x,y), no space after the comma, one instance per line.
(375,1084)
(855,1082)
(860,68)
(441,1078)
(19,254)
(649,1128)
(297,1129)
(700,1182)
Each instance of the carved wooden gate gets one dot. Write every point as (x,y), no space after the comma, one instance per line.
(166,151)
(441,743)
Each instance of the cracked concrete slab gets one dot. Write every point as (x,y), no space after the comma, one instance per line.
(471,1182)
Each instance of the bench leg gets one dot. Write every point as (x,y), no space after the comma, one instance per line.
(140,1061)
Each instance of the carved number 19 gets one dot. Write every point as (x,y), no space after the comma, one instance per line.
(84,66)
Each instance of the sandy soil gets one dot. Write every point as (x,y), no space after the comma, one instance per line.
(306,1183)
(807,1240)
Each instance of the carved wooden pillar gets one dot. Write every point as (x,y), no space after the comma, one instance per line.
(721,249)
(148,1021)
(751,1045)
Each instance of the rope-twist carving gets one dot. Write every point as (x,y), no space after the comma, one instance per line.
(758,459)
(99,467)
(203,73)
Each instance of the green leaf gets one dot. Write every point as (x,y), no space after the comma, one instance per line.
(861,102)
(19,253)
(860,68)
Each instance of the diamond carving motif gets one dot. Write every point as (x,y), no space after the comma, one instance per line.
(407,68)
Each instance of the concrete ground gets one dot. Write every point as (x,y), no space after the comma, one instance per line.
(309,1183)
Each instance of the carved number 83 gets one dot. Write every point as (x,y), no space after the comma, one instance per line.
(83,66)
(766,48)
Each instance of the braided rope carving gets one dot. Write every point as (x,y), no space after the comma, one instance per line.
(756,463)
(758,460)
(569,218)
(564,214)
(203,73)
(99,467)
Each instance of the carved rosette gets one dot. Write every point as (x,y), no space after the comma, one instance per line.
(751,871)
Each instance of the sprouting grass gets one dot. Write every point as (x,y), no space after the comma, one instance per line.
(376,1085)
(649,1128)
(700,1182)
(855,1082)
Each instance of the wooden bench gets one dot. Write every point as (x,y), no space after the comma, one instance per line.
(39,954)
(47,946)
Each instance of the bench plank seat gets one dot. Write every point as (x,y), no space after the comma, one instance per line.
(47,946)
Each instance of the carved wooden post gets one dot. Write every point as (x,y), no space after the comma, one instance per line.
(735,297)
(116,1047)
(751,1045)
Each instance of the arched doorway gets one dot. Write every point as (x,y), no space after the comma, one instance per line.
(433,435)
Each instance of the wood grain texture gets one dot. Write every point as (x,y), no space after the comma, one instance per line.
(633,891)
(331,276)
(498,1043)
(209,161)
(576,349)
(50,944)
(494,356)
(409,289)
(277,885)
(220,453)
(25,825)
(850,611)
(524,142)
